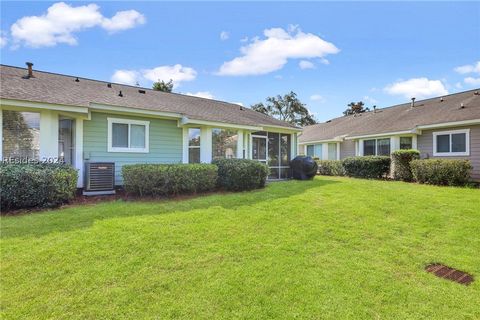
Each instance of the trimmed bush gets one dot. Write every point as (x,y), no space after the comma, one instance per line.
(442,172)
(241,174)
(370,167)
(401,164)
(330,167)
(168,179)
(36,185)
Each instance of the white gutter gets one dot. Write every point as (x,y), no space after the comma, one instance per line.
(449,124)
(393,133)
(187,121)
(105,107)
(41,105)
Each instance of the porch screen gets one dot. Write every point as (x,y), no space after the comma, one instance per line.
(21,134)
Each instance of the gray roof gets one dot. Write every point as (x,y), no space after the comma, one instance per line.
(60,89)
(397,118)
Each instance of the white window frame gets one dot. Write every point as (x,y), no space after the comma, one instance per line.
(111,121)
(193,147)
(450,153)
(376,145)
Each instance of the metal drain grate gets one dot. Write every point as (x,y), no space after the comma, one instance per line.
(442,271)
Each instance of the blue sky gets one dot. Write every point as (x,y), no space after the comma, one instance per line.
(328,53)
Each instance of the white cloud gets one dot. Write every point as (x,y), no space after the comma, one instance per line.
(239,103)
(472,81)
(130,77)
(62,21)
(419,88)
(177,73)
(262,56)
(305,64)
(369,99)
(224,35)
(469,68)
(123,20)
(317,97)
(324,61)
(201,94)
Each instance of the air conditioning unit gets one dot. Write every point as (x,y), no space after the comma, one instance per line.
(99,178)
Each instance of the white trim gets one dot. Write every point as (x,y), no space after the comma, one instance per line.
(449,124)
(451,154)
(279,129)
(215,124)
(266,146)
(132,111)
(1,133)
(362,149)
(38,105)
(383,135)
(79,150)
(336,139)
(185,145)
(129,122)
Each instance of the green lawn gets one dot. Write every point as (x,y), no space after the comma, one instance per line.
(333,248)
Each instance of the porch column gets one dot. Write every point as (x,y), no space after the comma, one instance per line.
(206,145)
(185,145)
(414,142)
(48,134)
(79,150)
(240,144)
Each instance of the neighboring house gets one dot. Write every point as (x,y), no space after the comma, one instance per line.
(45,116)
(443,127)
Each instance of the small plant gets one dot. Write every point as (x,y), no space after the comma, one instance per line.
(36,185)
(241,174)
(442,171)
(370,167)
(168,179)
(330,167)
(401,164)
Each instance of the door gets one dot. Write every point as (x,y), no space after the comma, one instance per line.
(259,148)
(66,140)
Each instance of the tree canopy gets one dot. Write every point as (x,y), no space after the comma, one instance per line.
(355,108)
(286,108)
(161,85)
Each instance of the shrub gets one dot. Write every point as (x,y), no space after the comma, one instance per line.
(330,167)
(241,174)
(442,171)
(371,167)
(168,179)
(401,164)
(36,185)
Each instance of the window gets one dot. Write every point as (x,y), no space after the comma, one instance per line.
(451,143)
(332,151)
(21,135)
(369,147)
(406,143)
(224,143)
(125,135)
(310,150)
(279,148)
(193,145)
(383,147)
(376,147)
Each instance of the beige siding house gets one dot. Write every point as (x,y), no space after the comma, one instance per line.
(442,127)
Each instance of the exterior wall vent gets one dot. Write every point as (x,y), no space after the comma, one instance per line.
(99,178)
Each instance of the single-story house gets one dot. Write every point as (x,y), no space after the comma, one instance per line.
(442,127)
(48,116)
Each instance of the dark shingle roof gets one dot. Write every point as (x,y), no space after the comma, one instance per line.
(399,118)
(54,88)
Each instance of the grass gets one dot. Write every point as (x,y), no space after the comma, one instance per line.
(331,248)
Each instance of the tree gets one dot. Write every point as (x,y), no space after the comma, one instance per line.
(161,85)
(287,108)
(355,108)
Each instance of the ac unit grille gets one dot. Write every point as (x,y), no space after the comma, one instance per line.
(99,176)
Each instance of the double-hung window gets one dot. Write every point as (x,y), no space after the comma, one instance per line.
(125,135)
(193,145)
(451,143)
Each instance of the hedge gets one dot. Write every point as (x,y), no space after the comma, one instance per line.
(330,167)
(168,179)
(36,185)
(401,164)
(241,174)
(370,167)
(442,171)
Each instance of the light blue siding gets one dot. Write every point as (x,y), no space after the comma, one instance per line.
(165,145)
